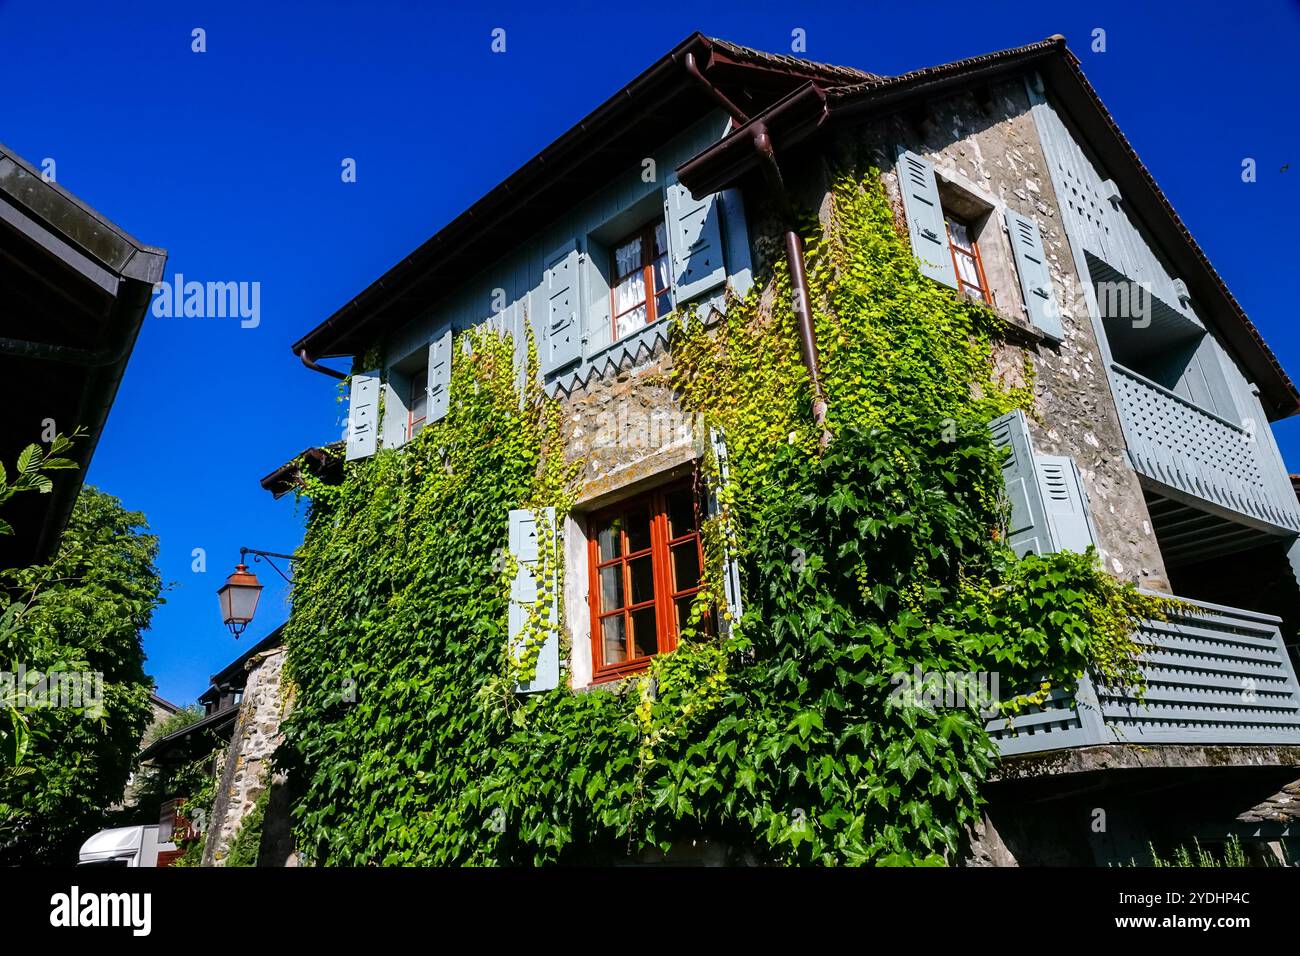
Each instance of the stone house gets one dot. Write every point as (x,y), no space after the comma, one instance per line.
(1149,436)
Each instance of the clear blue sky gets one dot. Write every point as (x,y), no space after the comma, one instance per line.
(230,160)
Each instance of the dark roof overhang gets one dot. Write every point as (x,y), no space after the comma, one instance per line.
(74,290)
(325,462)
(816,107)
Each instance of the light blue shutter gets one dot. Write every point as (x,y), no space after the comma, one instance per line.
(925,222)
(523,594)
(439,376)
(1066,503)
(694,229)
(730,567)
(397,419)
(363,415)
(1027,528)
(1035,280)
(561,309)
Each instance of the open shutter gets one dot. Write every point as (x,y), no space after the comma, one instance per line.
(1066,503)
(439,376)
(524,590)
(396,420)
(561,309)
(1027,528)
(730,566)
(1035,281)
(363,415)
(694,242)
(925,222)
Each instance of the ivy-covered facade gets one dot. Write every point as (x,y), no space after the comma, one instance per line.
(799,465)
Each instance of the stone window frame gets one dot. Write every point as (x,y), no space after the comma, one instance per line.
(986,216)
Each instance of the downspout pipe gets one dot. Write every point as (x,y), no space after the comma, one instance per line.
(311,364)
(798,277)
(794,255)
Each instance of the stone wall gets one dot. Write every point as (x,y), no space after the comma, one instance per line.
(245,772)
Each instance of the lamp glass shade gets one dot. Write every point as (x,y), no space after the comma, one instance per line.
(239,596)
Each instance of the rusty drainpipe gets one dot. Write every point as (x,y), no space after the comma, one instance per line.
(311,364)
(793,244)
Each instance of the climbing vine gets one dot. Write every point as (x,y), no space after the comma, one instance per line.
(779,733)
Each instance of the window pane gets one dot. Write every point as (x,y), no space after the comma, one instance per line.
(967,269)
(661,273)
(686,566)
(609,541)
(663,304)
(645,636)
(629,323)
(640,572)
(629,292)
(681,512)
(661,239)
(611,587)
(615,639)
(419,400)
(960,234)
(628,257)
(684,613)
(638,531)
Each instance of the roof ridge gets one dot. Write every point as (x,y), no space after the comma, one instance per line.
(829,70)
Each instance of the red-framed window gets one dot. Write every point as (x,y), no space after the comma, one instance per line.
(639,293)
(966,258)
(645,559)
(417,402)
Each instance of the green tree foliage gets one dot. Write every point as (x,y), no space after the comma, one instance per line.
(29,475)
(83,612)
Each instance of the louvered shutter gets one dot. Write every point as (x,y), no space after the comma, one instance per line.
(523,541)
(1035,280)
(1027,528)
(925,222)
(694,242)
(363,415)
(561,309)
(1066,503)
(439,376)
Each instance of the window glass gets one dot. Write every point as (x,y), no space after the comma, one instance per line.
(640,293)
(646,565)
(627,257)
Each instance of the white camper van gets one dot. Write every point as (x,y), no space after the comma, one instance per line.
(125,846)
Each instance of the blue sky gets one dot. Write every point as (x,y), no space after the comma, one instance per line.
(231,160)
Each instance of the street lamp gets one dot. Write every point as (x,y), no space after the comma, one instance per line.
(238,596)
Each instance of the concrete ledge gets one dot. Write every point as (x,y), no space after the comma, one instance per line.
(1143,757)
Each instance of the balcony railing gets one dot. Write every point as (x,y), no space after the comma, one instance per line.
(1214,675)
(1185,447)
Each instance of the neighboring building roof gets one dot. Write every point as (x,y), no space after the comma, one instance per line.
(235,673)
(795,99)
(324,462)
(75,292)
(219,722)
(180,742)
(163,704)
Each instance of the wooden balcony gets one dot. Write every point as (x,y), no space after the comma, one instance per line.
(1215,675)
(1191,452)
